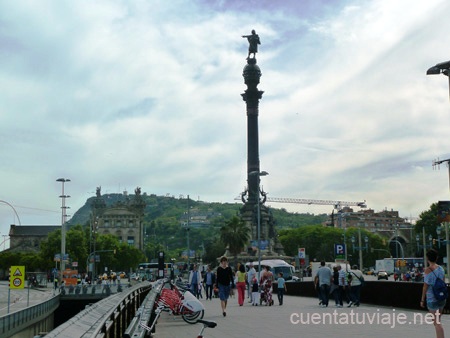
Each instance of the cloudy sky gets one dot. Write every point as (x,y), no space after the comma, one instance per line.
(121,94)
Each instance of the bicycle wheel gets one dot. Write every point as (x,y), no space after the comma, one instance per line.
(192,318)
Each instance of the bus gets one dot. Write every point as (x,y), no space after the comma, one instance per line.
(149,271)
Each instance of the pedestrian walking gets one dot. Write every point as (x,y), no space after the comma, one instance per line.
(432,273)
(322,282)
(255,291)
(240,284)
(225,282)
(194,280)
(209,280)
(355,289)
(281,287)
(334,290)
(251,273)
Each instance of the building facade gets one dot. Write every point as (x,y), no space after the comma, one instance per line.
(28,238)
(123,220)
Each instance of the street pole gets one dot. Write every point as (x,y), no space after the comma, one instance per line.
(63,224)
(187,230)
(259,233)
(360,250)
(424,249)
(396,242)
(447,243)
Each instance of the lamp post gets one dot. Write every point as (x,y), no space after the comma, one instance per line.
(259,174)
(63,222)
(446,242)
(441,68)
(360,248)
(187,234)
(424,246)
(15,212)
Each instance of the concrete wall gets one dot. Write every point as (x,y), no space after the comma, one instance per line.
(385,293)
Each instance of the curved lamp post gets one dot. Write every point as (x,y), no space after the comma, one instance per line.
(15,212)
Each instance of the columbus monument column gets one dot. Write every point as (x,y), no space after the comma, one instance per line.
(251,195)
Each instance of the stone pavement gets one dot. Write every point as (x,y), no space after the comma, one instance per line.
(301,317)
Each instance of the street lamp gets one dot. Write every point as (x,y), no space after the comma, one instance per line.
(441,68)
(425,246)
(259,174)
(15,212)
(63,222)
(360,248)
(446,242)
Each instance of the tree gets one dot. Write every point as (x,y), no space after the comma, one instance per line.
(428,222)
(235,235)
(77,246)
(319,242)
(213,250)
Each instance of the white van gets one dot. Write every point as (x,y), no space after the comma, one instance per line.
(276,266)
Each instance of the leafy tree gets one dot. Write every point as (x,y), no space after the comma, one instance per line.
(127,257)
(427,223)
(213,250)
(428,220)
(319,242)
(77,245)
(235,234)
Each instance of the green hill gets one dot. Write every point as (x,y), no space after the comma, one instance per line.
(166,216)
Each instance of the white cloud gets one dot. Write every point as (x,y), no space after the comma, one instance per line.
(133,93)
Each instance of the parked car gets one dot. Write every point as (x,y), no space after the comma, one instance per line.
(382,275)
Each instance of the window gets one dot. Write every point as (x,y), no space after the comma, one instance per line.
(130,240)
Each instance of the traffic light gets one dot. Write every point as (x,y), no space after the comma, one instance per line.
(434,241)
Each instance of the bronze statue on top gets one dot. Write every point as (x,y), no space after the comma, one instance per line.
(253,42)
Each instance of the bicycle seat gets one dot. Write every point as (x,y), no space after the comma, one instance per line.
(207,323)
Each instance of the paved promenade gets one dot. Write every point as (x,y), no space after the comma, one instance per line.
(301,317)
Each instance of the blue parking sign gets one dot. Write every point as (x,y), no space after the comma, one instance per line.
(339,251)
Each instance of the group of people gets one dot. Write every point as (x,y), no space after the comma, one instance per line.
(342,284)
(339,284)
(225,281)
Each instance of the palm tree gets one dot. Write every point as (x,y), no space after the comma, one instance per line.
(235,234)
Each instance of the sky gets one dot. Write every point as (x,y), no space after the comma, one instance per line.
(128,93)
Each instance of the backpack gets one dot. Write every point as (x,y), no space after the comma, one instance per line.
(440,290)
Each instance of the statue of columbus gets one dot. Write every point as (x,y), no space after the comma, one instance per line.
(253,42)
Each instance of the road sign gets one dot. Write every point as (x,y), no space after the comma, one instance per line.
(17,278)
(339,251)
(301,253)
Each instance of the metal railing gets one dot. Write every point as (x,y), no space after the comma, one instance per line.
(106,318)
(15,322)
(144,315)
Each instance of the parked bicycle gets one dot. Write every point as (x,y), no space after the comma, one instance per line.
(172,300)
(206,324)
(177,303)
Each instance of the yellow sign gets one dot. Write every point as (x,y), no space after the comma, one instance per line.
(17,277)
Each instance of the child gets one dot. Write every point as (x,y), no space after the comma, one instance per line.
(255,292)
(281,287)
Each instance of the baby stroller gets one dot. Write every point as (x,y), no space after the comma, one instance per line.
(266,292)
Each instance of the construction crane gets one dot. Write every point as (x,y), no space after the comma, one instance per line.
(337,204)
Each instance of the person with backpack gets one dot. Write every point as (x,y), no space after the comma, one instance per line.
(434,292)
(357,281)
